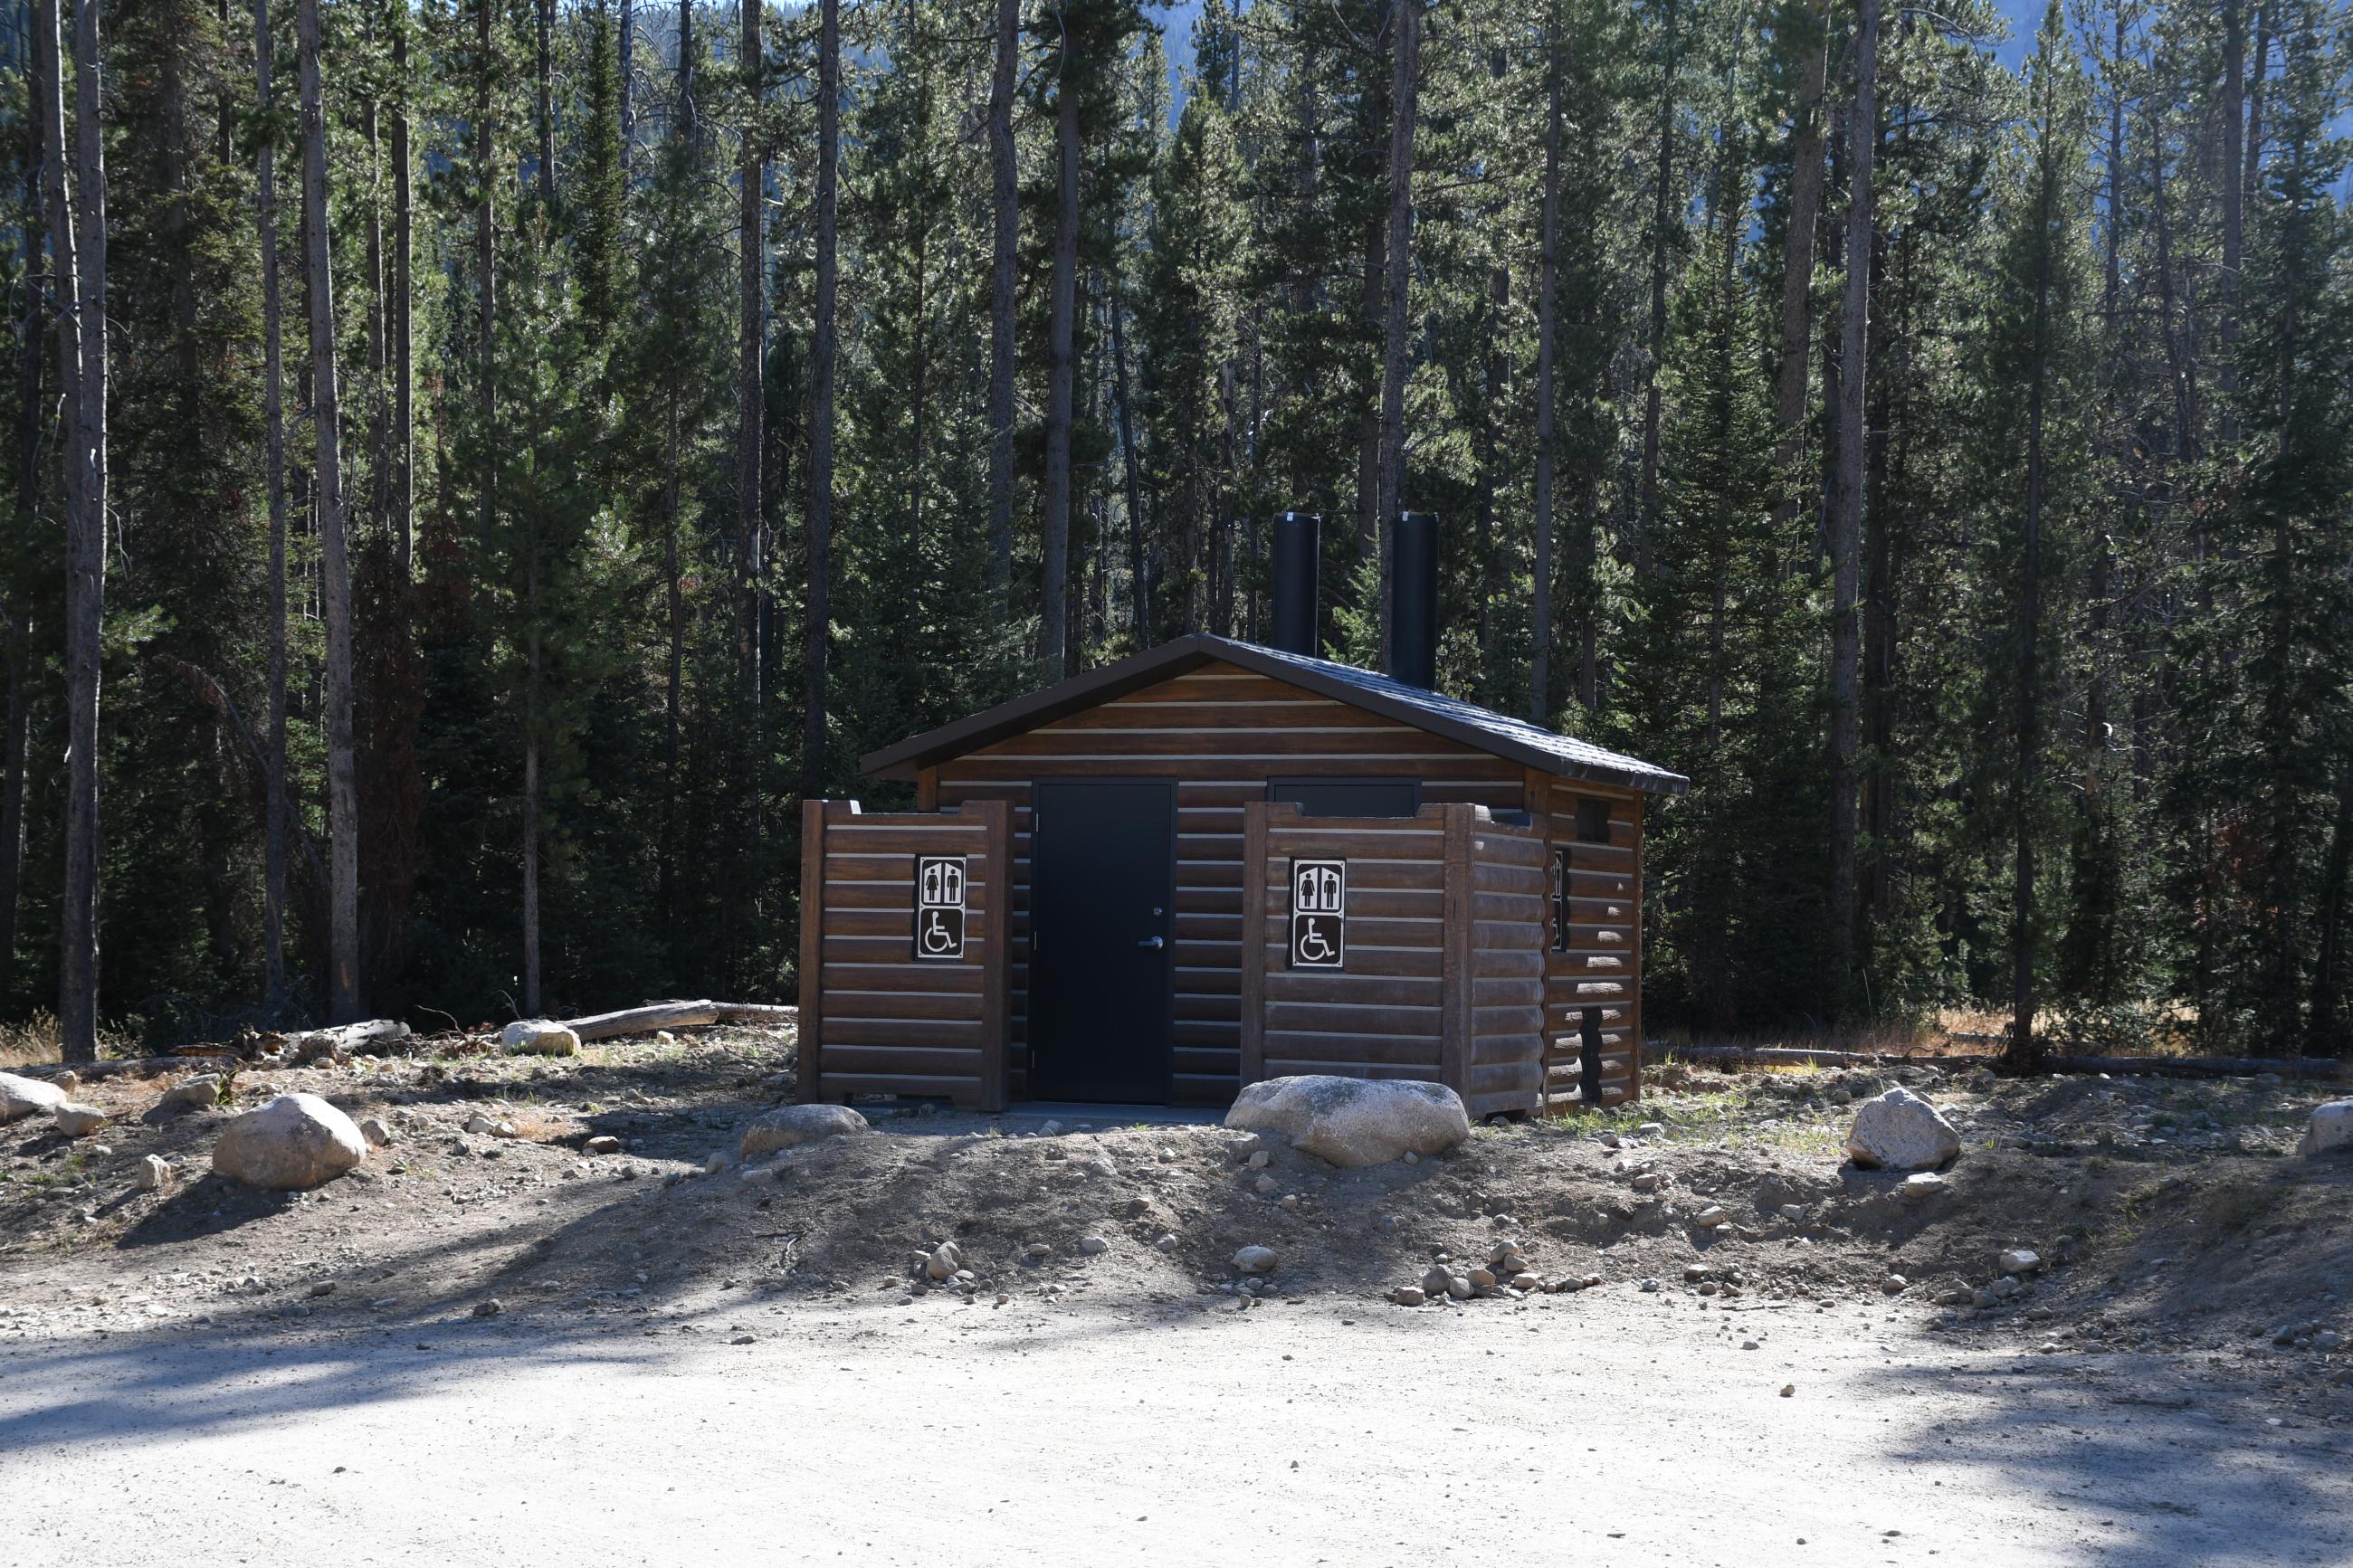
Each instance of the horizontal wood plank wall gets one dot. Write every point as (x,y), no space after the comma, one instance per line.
(885,1024)
(1603,965)
(1505,974)
(1220,732)
(1444,974)
(1384,1015)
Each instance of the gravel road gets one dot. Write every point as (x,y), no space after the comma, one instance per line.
(1610,1429)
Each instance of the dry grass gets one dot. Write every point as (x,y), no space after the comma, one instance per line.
(537,1126)
(33,1040)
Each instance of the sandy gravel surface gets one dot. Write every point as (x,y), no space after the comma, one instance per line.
(1609,1427)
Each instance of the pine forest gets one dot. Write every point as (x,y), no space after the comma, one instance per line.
(479,465)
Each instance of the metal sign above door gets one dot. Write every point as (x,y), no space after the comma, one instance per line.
(939,908)
(1319,914)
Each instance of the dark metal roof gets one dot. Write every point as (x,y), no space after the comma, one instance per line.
(1494,734)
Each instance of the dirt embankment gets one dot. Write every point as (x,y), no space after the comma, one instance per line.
(2166,1215)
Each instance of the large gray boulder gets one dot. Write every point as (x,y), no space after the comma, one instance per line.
(1902,1131)
(21,1097)
(294,1142)
(1354,1120)
(2331,1128)
(790,1126)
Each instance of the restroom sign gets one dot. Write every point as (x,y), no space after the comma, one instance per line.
(1319,914)
(939,908)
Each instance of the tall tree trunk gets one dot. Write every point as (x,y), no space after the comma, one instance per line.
(1063,373)
(1798,255)
(378,329)
(1664,213)
(78,241)
(273,404)
(821,371)
(1547,376)
(403,415)
(751,345)
(530,994)
(486,259)
(1375,310)
(32,426)
(1139,584)
(2251,177)
(2233,172)
(545,75)
(1005,236)
(689,124)
(336,592)
(674,667)
(1405,96)
(2024,1053)
(628,64)
(1846,510)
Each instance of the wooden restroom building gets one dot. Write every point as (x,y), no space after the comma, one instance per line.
(1221,861)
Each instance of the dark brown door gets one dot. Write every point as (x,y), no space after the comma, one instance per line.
(1103,875)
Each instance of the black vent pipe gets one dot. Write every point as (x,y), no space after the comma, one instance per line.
(1413,600)
(1298,542)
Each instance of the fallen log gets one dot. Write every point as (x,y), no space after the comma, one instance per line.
(137,1066)
(2322,1068)
(656,1015)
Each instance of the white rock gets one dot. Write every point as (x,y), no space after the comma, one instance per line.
(1090,1245)
(1408,1296)
(1901,1132)
(479,1125)
(1712,1216)
(2019,1260)
(295,1142)
(1922,1187)
(374,1130)
(151,1174)
(21,1097)
(74,1120)
(790,1126)
(2331,1128)
(1354,1120)
(1255,1260)
(538,1038)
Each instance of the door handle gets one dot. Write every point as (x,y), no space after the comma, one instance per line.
(1153,941)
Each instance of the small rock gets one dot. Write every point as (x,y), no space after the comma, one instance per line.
(1901,1132)
(201,1093)
(1408,1296)
(492,1307)
(1649,1286)
(504,1130)
(604,1143)
(1257,1160)
(378,1136)
(1255,1260)
(1435,1281)
(1652,1130)
(1526,1281)
(1459,1288)
(479,1125)
(943,1262)
(1267,1185)
(2019,1260)
(1166,1243)
(151,1174)
(790,1126)
(1093,1246)
(1788,1390)
(1712,1218)
(1895,1284)
(324,1288)
(538,1038)
(1482,1278)
(2331,1127)
(1794,1213)
(664,1037)
(1921,1187)
(77,1120)
(1039,1249)
(1648,1182)
(2327,1340)
(1051,1129)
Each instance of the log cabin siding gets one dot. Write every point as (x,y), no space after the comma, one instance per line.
(1222,733)
(879,1022)
(1602,966)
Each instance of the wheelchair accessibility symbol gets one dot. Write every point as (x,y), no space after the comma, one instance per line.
(939,908)
(1319,905)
